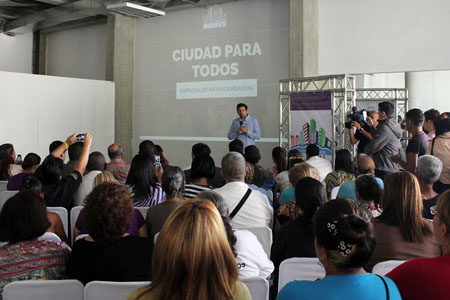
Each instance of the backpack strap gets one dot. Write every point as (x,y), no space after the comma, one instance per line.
(385,286)
(238,207)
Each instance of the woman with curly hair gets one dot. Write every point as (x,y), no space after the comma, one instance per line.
(192,258)
(109,252)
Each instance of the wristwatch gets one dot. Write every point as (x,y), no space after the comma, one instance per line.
(361,129)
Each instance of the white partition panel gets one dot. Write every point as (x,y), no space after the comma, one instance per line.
(36,110)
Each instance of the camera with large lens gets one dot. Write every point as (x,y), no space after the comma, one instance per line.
(355,115)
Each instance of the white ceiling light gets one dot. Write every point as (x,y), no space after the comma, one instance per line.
(134,10)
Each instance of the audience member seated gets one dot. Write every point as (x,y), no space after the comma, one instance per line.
(147,148)
(160,152)
(56,225)
(417,145)
(428,278)
(192,258)
(428,171)
(251,259)
(429,126)
(321,164)
(201,149)
(117,166)
(249,173)
(295,238)
(137,224)
(55,144)
(172,185)
(109,253)
(261,177)
(343,244)
(74,151)
(202,171)
(343,171)
(60,191)
(366,166)
(282,179)
(29,165)
(144,180)
(368,193)
(402,233)
(440,147)
(236,146)
(27,256)
(95,166)
(279,159)
(287,203)
(8,165)
(256,210)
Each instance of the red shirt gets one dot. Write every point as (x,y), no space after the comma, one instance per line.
(423,278)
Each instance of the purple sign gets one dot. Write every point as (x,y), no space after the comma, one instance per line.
(311,101)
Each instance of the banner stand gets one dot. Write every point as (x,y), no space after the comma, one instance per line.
(342,95)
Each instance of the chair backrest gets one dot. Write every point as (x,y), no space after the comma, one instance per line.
(334,192)
(74,212)
(5,195)
(264,236)
(51,236)
(44,290)
(299,268)
(143,211)
(384,267)
(108,290)
(258,287)
(3,184)
(62,212)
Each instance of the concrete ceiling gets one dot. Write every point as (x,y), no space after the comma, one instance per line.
(20,16)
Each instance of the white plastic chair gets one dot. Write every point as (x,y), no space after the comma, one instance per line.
(74,213)
(143,211)
(384,267)
(109,290)
(62,212)
(3,184)
(334,192)
(299,268)
(264,236)
(5,195)
(258,287)
(44,290)
(51,236)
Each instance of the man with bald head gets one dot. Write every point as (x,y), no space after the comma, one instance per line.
(117,166)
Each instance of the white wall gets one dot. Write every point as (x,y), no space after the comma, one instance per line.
(37,110)
(366,36)
(380,80)
(16,53)
(79,52)
(429,90)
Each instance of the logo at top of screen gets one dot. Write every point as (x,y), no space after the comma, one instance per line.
(214,18)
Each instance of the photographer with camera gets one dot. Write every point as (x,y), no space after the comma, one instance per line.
(385,140)
(360,131)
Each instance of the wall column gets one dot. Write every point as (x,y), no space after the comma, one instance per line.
(303,38)
(120,69)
